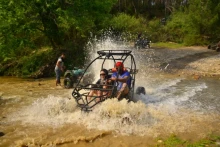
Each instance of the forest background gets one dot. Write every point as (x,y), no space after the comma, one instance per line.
(33,33)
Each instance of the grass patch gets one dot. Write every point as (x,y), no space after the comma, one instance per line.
(171,141)
(171,45)
(174,141)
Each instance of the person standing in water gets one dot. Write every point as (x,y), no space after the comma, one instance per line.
(59,68)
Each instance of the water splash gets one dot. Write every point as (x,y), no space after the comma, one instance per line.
(121,117)
(105,43)
(163,110)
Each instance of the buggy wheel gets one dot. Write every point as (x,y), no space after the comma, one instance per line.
(140,90)
(68,83)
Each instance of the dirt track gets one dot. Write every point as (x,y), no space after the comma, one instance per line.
(198,61)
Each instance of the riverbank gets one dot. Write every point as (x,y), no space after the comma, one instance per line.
(196,61)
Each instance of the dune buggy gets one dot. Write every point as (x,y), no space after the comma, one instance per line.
(215,46)
(142,43)
(106,59)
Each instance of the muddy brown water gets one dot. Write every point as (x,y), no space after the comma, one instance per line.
(37,113)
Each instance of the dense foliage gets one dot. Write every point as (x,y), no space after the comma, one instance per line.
(55,26)
(62,25)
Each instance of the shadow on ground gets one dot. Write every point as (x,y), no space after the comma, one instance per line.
(180,63)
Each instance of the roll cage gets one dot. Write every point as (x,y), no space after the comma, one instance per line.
(80,92)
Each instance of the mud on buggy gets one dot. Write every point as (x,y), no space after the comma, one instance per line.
(106,58)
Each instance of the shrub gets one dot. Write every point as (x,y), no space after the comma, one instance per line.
(127,24)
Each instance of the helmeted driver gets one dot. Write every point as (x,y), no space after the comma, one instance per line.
(122,76)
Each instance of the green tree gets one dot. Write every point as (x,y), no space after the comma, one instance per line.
(59,21)
(195,23)
(202,21)
(30,24)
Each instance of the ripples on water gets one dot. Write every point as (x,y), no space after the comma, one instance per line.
(169,103)
(172,105)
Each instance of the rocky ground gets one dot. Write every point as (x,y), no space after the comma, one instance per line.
(195,61)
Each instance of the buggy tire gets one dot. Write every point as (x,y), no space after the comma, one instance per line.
(140,90)
(68,83)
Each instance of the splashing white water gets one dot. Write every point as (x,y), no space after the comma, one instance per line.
(113,115)
(160,111)
(107,44)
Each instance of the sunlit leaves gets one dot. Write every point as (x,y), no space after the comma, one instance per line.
(23,21)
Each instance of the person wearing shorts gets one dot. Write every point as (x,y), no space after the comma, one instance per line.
(59,68)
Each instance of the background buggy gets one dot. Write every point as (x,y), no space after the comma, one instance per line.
(215,46)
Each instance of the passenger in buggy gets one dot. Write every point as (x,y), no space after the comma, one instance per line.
(123,80)
(102,84)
